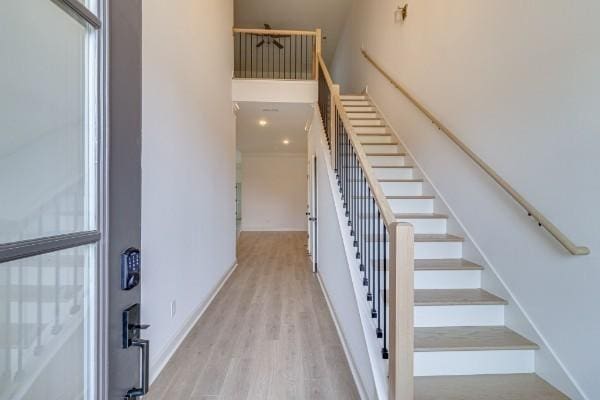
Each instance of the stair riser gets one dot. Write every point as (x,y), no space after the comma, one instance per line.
(445,279)
(438,250)
(432,250)
(356,103)
(402,188)
(375,138)
(426,225)
(371,129)
(471,315)
(411,205)
(469,279)
(367,122)
(362,115)
(388,161)
(474,362)
(393,173)
(381,148)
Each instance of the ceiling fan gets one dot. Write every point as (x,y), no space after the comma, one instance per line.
(270,38)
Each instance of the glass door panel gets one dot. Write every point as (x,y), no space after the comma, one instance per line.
(47,325)
(48,122)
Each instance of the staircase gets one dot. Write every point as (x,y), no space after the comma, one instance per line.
(462,348)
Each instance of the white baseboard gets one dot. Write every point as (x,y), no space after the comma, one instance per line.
(173,344)
(359,385)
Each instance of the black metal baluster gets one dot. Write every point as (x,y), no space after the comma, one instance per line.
(262,58)
(375,268)
(7,318)
(21,325)
(245,55)
(39,319)
(381,271)
(56,327)
(75,307)
(301,57)
(239,72)
(252,74)
(372,253)
(384,351)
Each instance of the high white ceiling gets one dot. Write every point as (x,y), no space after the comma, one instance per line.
(329,15)
(285,121)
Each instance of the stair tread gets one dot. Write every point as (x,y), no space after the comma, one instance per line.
(380,143)
(448,264)
(420,216)
(377,154)
(448,297)
(429,237)
(437,237)
(485,387)
(397,197)
(353,117)
(393,166)
(401,180)
(409,216)
(470,338)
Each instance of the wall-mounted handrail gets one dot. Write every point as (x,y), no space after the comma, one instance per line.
(531,210)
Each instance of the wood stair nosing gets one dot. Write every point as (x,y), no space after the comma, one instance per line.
(456,297)
(449,264)
(409,216)
(392,166)
(379,154)
(430,238)
(446,264)
(418,180)
(470,338)
(486,387)
(452,297)
(402,216)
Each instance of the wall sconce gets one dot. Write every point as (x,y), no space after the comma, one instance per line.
(401,13)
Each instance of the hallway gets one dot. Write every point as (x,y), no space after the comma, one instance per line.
(268,334)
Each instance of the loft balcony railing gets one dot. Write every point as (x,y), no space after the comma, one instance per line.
(276,54)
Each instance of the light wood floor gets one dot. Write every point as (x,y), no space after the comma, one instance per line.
(267,335)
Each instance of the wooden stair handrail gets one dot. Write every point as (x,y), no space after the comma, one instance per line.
(531,210)
(386,212)
(401,268)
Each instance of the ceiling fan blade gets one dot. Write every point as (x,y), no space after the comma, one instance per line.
(276,43)
(260,43)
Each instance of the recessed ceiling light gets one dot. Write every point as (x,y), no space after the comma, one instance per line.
(285,141)
(262,122)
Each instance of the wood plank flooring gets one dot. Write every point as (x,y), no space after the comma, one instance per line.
(267,335)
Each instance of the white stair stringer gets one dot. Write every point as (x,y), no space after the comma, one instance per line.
(378,365)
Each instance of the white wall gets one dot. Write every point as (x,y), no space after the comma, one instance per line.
(274,192)
(188,163)
(518,81)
